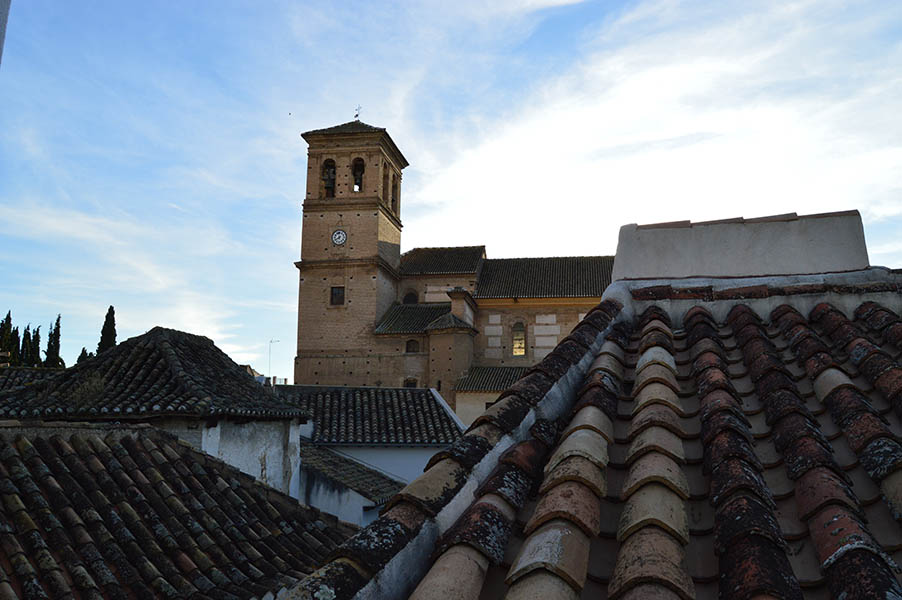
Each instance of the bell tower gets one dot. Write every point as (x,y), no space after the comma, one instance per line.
(350,245)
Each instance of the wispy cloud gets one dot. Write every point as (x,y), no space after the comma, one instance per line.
(158,165)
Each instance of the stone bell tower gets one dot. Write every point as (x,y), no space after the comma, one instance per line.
(350,249)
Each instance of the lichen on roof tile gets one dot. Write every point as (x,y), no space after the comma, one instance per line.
(571,501)
(559,547)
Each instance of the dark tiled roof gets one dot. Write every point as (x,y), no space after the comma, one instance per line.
(13,377)
(411,318)
(449,321)
(161,373)
(556,277)
(349,127)
(373,416)
(442,261)
(755,453)
(134,513)
(489,379)
(370,483)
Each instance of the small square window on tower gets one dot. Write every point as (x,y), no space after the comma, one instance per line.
(338,296)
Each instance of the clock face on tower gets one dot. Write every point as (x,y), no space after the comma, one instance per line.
(339,237)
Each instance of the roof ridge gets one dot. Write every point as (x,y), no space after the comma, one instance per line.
(549,257)
(443,248)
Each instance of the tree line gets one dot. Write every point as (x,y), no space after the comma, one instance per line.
(25,348)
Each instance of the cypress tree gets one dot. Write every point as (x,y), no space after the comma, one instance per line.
(108,333)
(14,359)
(6,330)
(83,356)
(35,352)
(25,347)
(53,359)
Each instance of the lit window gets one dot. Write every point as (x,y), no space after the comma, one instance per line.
(338,296)
(518,339)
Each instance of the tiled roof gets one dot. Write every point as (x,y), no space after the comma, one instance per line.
(442,261)
(743,447)
(372,416)
(349,127)
(556,277)
(489,379)
(133,513)
(411,318)
(370,483)
(449,321)
(163,372)
(13,377)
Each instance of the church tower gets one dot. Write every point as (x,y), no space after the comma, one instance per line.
(350,250)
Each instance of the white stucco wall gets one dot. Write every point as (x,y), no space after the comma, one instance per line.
(402,463)
(781,245)
(267,450)
(324,494)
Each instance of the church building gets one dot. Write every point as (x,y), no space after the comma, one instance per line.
(450,319)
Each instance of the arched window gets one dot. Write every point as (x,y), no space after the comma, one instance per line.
(518,339)
(329,178)
(410,298)
(410,383)
(357,168)
(412,346)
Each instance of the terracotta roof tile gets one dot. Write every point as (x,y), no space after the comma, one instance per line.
(370,483)
(658,393)
(457,574)
(483,527)
(582,442)
(654,504)
(655,415)
(571,501)
(541,584)
(651,556)
(411,318)
(489,379)
(656,439)
(658,468)
(593,418)
(559,547)
(752,457)
(555,277)
(373,416)
(120,532)
(442,261)
(580,469)
(163,372)
(434,488)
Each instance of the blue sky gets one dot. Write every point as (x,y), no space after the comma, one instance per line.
(150,155)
